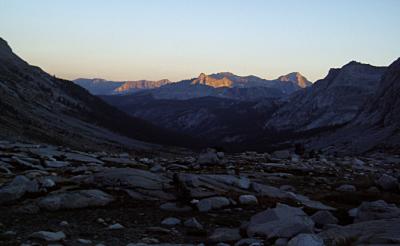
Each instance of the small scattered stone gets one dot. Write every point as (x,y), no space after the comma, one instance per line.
(287,188)
(358,162)
(281,242)
(223,244)
(157,169)
(64,223)
(84,241)
(224,235)
(306,240)
(346,188)
(281,154)
(7,235)
(193,223)
(244,183)
(101,221)
(324,218)
(388,182)
(249,242)
(173,207)
(373,190)
(116,226)
(210,157)
(150,240)
(171,221)
(217,202)
(48,183)
(295,158)
(220,155)
(56,164)
(248,200)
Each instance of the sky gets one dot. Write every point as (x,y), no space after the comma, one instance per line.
(179,39)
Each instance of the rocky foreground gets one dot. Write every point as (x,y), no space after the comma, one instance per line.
(56,196)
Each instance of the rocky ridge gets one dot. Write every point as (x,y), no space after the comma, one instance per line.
(332,101)
(107,87)
(36,106)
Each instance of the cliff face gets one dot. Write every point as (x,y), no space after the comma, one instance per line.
(213,82)
(332,101)
(377,124)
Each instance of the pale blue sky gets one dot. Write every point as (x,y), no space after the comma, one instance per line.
(177,39)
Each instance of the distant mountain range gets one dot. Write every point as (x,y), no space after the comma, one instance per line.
(332,111)
(224,85)
(354,109)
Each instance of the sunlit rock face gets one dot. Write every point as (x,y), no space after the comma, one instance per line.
(213,82)
(296,78)
(332,101)
(133,86)
(226,79)
(229,85)
(107,87)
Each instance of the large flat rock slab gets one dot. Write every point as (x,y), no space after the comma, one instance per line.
(282,221)
(128,178)
(17,188)
(75,199)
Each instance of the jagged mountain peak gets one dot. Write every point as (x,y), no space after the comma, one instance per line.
(332,101)
(202,76)
(4,47)
(223,74)
(98,80)
(395,64)
(358,73)
(212,81)
(353,74)
(164,80)
(376,123)
(296,78)
(6,53)
(357,66)
(354,63)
